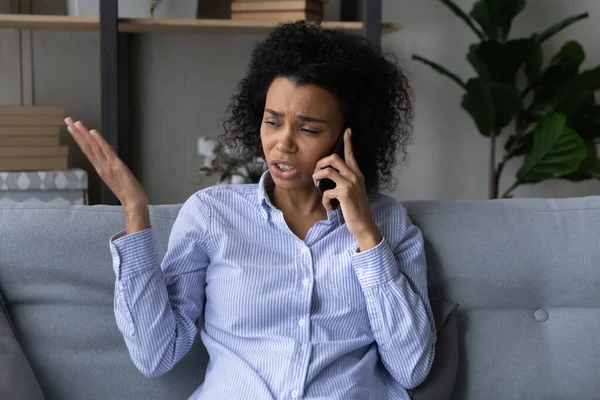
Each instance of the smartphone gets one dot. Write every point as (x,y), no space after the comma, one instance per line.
(326,183)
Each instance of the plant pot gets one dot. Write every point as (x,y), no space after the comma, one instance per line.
(136,8)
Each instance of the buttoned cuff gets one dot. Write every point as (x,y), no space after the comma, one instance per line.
(375,266)
(134,253)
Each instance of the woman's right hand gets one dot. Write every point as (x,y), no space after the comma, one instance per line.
(111,169)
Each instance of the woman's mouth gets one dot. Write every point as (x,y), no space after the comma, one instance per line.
(285,167)
(283,170)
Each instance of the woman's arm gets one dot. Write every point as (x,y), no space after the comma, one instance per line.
(393,277)
(157,305)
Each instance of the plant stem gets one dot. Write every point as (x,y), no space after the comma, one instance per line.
(493,185)
(509,155)
(510,189)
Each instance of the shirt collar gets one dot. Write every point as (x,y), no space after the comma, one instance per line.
(266,185)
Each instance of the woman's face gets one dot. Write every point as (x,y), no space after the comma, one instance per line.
(300,125)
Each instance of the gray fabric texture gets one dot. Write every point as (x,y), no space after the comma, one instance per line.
(57,278)
(439,384)
(501,260)
(17,380)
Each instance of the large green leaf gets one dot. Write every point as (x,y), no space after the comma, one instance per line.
(478,65)
(557,88)
(464,16)
(495,16)
(478,102)
(533,64)
(589,80)
(507,103)
(556,151)
(589,167)
(555,81)
(481,14)
(501,60)
(554,29)
(440,69)
(578,92)
(586,120)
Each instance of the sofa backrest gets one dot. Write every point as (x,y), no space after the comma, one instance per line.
(526,273)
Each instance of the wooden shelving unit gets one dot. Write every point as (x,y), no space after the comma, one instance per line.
(163,25)
(115,42)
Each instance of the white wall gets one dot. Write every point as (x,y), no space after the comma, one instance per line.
(449,158)
(182,84)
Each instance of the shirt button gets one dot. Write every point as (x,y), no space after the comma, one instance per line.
(303,347)
(361,271)
(301,322)
(294,394)
(305,281)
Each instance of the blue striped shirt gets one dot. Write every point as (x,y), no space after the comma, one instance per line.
(284,318)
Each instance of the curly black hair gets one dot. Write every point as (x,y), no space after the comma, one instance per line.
(373,93)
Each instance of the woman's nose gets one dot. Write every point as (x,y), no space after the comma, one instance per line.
(286,143)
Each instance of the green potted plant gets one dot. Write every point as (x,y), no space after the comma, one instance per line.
(547,114)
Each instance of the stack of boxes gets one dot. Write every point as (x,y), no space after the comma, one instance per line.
(277,10)
(30,138)
(33,163)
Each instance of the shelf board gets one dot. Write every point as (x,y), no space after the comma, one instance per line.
(55,22)
(165,25)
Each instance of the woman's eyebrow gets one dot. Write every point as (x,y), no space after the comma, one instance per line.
(303,118)
(309,119)
(273,112)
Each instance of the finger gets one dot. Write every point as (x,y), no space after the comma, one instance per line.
(82,139)
(331,194)
(94,146)
(107,150)
(329,173)
(349,151)
(332,160)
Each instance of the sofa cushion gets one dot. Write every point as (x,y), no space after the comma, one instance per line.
(508,263)
(17,380)
(439,384)
(57,277)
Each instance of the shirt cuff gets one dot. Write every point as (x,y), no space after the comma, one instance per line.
(375,266)
(133,253)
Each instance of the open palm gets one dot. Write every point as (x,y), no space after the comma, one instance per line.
(111,169)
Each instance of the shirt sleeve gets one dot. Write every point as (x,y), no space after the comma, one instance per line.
(393,277)
(158,303)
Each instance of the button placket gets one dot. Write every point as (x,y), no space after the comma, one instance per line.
(306,272)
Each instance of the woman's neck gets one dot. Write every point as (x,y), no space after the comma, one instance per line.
(302,202)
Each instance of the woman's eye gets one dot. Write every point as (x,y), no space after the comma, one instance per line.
(271,123)
(313,132)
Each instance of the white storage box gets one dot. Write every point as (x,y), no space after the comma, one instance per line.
(57,187)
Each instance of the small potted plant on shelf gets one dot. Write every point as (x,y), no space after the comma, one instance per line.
(229,166)
(137,8)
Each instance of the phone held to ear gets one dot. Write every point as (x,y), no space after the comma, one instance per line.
(326,183)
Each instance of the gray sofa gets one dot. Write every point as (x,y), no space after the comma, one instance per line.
(526,273)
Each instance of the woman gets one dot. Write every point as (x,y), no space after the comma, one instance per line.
(299,300)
